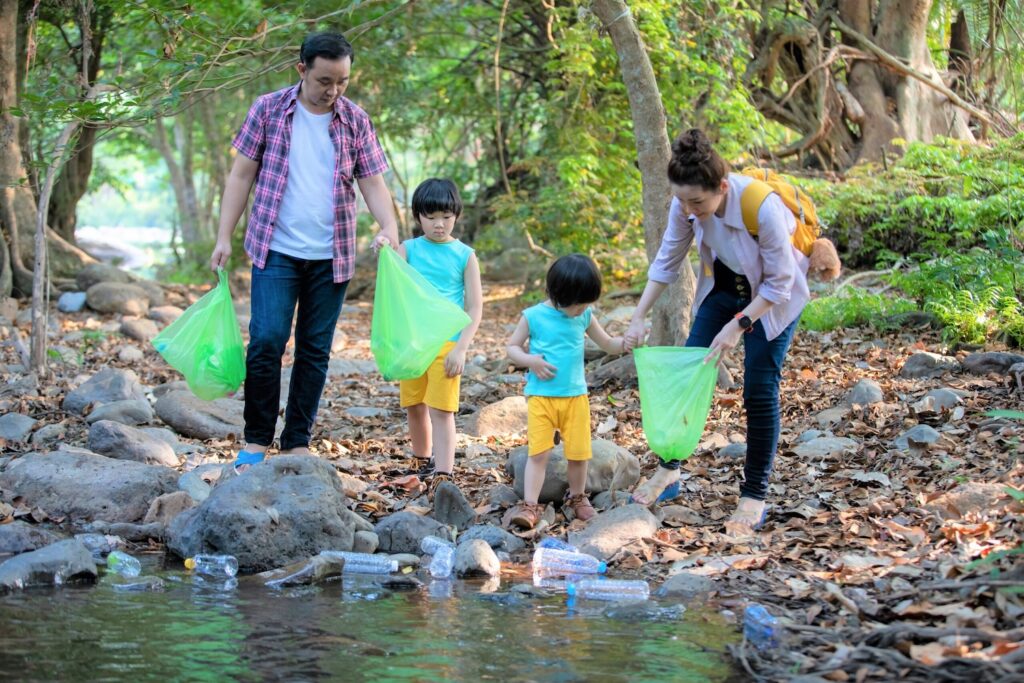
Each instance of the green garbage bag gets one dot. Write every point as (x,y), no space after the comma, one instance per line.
(205,344)
(675,396)
(411,319)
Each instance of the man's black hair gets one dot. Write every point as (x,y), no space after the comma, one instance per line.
(436,194)
(327,44)
(573,279)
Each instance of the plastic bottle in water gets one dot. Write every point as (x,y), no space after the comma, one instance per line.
(609,589)
(96,544)
(548,561)
(557,544)
(442,563)
(760,628)
(431,544)
(123,564)
(213,565)
(362,563)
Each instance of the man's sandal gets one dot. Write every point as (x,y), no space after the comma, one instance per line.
(670,492)
(247,459)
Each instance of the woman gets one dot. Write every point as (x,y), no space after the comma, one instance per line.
(749,289)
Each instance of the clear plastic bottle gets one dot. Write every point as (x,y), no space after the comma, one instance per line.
(362,563)
(213,565)
(608,589)
(557,544)
(548,561)
(123,564)
(760,628)
(431,544)
(442,563)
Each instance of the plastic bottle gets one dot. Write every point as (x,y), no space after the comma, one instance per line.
(362,563)
(96,544)
(123,564)
(557,544)
(548,561)
(213,565)
(431,544)
(609,589)
(442,563)
(760,628)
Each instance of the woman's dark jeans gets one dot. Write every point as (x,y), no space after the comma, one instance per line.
(276,289)
(762,373)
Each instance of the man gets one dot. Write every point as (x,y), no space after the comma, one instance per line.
(303,147)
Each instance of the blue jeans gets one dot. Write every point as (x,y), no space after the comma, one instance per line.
(762,373)
(276,289)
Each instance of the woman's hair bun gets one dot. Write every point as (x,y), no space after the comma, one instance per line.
(692,148)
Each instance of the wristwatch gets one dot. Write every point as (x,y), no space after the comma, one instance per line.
(745,323)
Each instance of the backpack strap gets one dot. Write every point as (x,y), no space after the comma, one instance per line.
(751,199)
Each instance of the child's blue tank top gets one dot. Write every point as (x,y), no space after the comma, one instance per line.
(559,339)
(443,264)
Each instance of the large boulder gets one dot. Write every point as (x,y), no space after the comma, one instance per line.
(191,416)
(984,362)
(18,537)
(106,386)
(116,440)
(85,486)
(95,273)
(924,364)
(610,531)
(282,510)
(403,531)
(505,418)
(55,565)
(131,412)
(111,297)
(611,464)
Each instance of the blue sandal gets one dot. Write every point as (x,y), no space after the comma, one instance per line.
(247,458)
(671,492)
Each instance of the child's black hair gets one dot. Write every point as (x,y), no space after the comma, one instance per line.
(573,279)
(436,194)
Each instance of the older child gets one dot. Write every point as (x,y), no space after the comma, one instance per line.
(432,400)
(556,386)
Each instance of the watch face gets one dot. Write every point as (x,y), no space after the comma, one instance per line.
(745,322)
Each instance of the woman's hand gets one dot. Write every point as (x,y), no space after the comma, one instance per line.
(634,336)
(725,341)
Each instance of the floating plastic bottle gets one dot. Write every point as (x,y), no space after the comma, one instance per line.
(557,544)
(609,589)
(760,628)
(548,561)
(431,544)
(123,564)
(213,565)
(442,563)
(362,563)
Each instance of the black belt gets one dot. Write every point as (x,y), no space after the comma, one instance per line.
(731,282)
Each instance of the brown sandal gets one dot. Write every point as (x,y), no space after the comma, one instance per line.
(579,506)
(436,479)
(526,515)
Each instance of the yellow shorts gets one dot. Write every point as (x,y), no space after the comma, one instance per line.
(433,387)
(570,415)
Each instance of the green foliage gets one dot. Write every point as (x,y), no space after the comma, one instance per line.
(853,307)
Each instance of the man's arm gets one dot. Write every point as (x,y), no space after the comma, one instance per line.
(232,204)
(378,200)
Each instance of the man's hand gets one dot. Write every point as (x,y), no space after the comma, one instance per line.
(220,256)
(380,240)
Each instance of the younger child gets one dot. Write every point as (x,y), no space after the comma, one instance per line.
(556,387)
(432,400)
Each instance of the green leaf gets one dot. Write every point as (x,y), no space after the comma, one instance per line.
(1012,414)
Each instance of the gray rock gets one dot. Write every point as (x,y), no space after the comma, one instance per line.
(109,297)
(734,451)
(476,558)
(825,446)
(154,292)
(810,435)
(984,362)
(405,559)
(18,537)
(496,537)
(139,329)
(282,510)
(367,411)
(865,392)
(505,418)
(106,386)
(502,495)
(403,531)
(130,531)
(94,273)
(611,465)
(48,435)
(191,416)
(65,354)
(71,302)
(165,315)
(57,564)
(130,412)
(604,500)
(84,486)
(831,416)
(199,482)
(937,401)
(15,426)
(451,507)
(686,586)
(365,542)
(116,440)
(918,435)
(163,389)
(609,531)
(165,508)
(130,354)
(923,364)
(343,367)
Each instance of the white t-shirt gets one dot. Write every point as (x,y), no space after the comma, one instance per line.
(305,221)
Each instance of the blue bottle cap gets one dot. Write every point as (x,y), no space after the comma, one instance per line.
(602,567)
(570,590)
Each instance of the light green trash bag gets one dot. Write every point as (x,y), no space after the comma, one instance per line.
(411,319)
(205,344)
(675,396)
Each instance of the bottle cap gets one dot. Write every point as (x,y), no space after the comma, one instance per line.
(190,563)
(602,567)
(570,590)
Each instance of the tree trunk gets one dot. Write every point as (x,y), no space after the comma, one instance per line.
(181,182)
(671,317)
(960,59)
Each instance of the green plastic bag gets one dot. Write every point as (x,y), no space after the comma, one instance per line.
(411,319)
(675,396)
(205,344)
